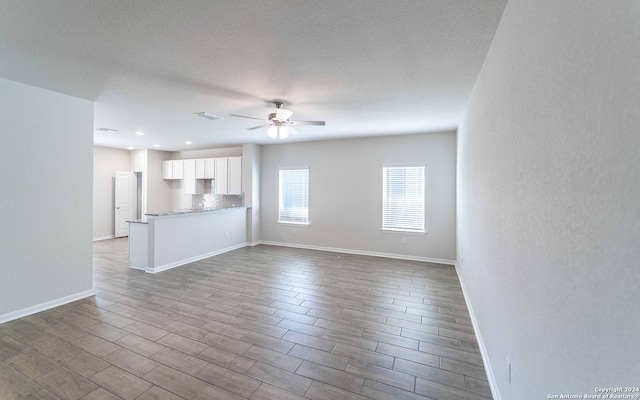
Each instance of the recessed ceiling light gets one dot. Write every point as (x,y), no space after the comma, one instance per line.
(156,145)
(207,116)
(107,130)
(188,142)
(139,133)
(129,148)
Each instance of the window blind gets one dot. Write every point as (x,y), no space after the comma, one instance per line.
(403,198)
(294,195)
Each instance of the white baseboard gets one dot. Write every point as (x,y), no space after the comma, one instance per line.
(25,312)
(361,252)
(194,259)
(483,351)
(299,246)
(95,239)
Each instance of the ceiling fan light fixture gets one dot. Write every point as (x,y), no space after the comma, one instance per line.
(283,114)
(284,132)
(272,132)
(278,122)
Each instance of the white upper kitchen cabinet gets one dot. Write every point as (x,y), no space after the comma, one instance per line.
(234,185)
(173,169)
(190,184)
(221,176)
(178,169)
(209,168)
(200,168)
(167,169)
(206,168)
(227,172)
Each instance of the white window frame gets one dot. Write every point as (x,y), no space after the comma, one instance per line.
(385,207)
(282,215)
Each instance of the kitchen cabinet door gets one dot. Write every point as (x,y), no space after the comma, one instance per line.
(178,169)
(189,180)
(210,168)
(190,184)
(200,168)
(173,169)
(167,169)
(221,176)
(234,165)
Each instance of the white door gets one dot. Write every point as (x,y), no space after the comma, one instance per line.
(124,202)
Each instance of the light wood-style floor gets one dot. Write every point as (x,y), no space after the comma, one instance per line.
(256,323)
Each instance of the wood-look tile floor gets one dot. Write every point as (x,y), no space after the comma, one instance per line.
(256,323)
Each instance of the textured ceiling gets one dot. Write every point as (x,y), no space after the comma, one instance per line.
(366,67)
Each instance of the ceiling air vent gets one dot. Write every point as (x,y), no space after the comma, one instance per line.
(208,116)
(107,130)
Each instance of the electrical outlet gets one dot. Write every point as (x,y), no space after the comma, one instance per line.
(509,369)
(404,240)
(226,234)
(294,231)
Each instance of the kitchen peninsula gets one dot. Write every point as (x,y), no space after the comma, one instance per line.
(163,241)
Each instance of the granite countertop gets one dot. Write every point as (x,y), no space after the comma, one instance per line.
(192,211)
(142,220)
(145,219)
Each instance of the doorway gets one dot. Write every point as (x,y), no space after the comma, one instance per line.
(137,176)
(125,202)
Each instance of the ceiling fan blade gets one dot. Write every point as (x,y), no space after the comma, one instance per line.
(283,114)
(244,116)
(307,123)
(257,127)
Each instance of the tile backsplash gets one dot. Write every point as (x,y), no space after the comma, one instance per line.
(204,201)
(227,201)
(199,201)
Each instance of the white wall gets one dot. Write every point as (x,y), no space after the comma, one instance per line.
(139,160)
(105,162)
(178,240)
(345,205)
(46,160)
(156,192)
(251,163)
(207,153)
(158,189)
(139,164)
(549,198)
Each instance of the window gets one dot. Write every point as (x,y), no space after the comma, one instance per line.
(403,198)
(294,196)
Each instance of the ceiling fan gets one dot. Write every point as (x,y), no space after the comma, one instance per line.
(278,122)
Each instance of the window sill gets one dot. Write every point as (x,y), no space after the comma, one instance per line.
(403,232)
(293,223)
